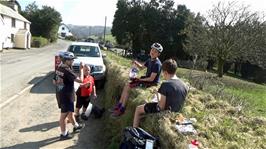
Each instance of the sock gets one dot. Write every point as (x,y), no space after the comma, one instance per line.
(76,125)
(64,133)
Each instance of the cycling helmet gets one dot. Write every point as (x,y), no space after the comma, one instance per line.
(157,46)
(68,56)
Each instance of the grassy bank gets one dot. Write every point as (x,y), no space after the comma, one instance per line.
(248,95)
(224,118)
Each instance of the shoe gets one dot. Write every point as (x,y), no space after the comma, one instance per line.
(77,129)
(116,107)
(117,113)
(84,117)
(66,137)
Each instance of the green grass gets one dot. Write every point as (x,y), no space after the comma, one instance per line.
(110,38)
(256,98)
(253,95)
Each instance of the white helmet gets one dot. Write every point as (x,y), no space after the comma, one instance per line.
(68,56)
(157,46)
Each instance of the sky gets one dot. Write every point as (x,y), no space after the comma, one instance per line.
(93,12)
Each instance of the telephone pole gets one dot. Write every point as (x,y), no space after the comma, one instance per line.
(104,29)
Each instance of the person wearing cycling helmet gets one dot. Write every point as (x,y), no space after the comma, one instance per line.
(65,84)
(171,94)
(151,78)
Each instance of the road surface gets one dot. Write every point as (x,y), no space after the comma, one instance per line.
(30,119)
(21,68)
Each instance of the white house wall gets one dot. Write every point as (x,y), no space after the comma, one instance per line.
(2,33)
(12,30)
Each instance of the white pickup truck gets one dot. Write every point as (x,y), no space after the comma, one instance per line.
(90,54)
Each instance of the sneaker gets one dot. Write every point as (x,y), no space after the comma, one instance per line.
(66,137)
(117,113)
(77,129)
(116,107)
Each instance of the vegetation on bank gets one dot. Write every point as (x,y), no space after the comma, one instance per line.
(224,118)
(38,42)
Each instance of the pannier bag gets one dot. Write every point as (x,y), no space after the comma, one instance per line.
(137,138)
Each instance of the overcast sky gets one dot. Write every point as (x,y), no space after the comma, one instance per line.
(93,12)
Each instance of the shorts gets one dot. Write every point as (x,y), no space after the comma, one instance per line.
(83,101)
(137,83)
(66,102)
(152,107)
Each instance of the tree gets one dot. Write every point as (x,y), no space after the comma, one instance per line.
(119,29)
(44,22)
(139,23)
(232,33)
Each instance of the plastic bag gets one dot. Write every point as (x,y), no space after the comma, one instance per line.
(133,73)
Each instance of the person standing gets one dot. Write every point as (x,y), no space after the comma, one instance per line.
(85,93)
(65,84)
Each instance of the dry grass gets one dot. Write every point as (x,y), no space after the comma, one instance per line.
(220,123)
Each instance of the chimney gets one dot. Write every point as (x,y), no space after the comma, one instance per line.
(14,5)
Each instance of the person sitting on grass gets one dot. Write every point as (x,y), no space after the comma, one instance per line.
(85,93)
(151,78)
(171,94)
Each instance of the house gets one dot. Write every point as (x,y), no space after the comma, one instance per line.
(14,28)
(64,31)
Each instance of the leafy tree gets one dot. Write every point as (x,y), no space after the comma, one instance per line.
(139,23)
(44,22)
(119,29)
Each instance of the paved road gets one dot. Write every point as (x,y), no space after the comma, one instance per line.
(32,122)
(20,68)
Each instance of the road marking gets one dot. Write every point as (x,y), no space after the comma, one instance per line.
(22,91)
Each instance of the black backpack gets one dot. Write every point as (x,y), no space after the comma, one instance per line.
(135,138)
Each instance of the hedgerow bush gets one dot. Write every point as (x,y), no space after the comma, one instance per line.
(39,41)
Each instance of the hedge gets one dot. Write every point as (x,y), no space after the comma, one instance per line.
(39,41)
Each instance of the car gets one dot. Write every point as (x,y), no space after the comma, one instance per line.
(90,54)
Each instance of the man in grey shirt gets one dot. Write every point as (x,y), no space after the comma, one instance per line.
(171,94)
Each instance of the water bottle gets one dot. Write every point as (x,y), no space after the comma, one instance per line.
(193,145)
(133,73)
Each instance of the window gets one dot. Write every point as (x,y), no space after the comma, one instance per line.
(12,37)
(87,51)
(63,28)
(13,22)
(25,25)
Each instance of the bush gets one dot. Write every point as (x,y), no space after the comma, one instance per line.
(71,38)
(39,42)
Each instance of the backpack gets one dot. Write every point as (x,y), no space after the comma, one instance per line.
(136,138)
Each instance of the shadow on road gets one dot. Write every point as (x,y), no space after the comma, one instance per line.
(45,87)
(41,127)
(38,144)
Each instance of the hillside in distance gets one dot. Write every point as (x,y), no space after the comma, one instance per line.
(86,31)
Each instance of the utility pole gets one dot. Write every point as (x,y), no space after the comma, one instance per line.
(104,29)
